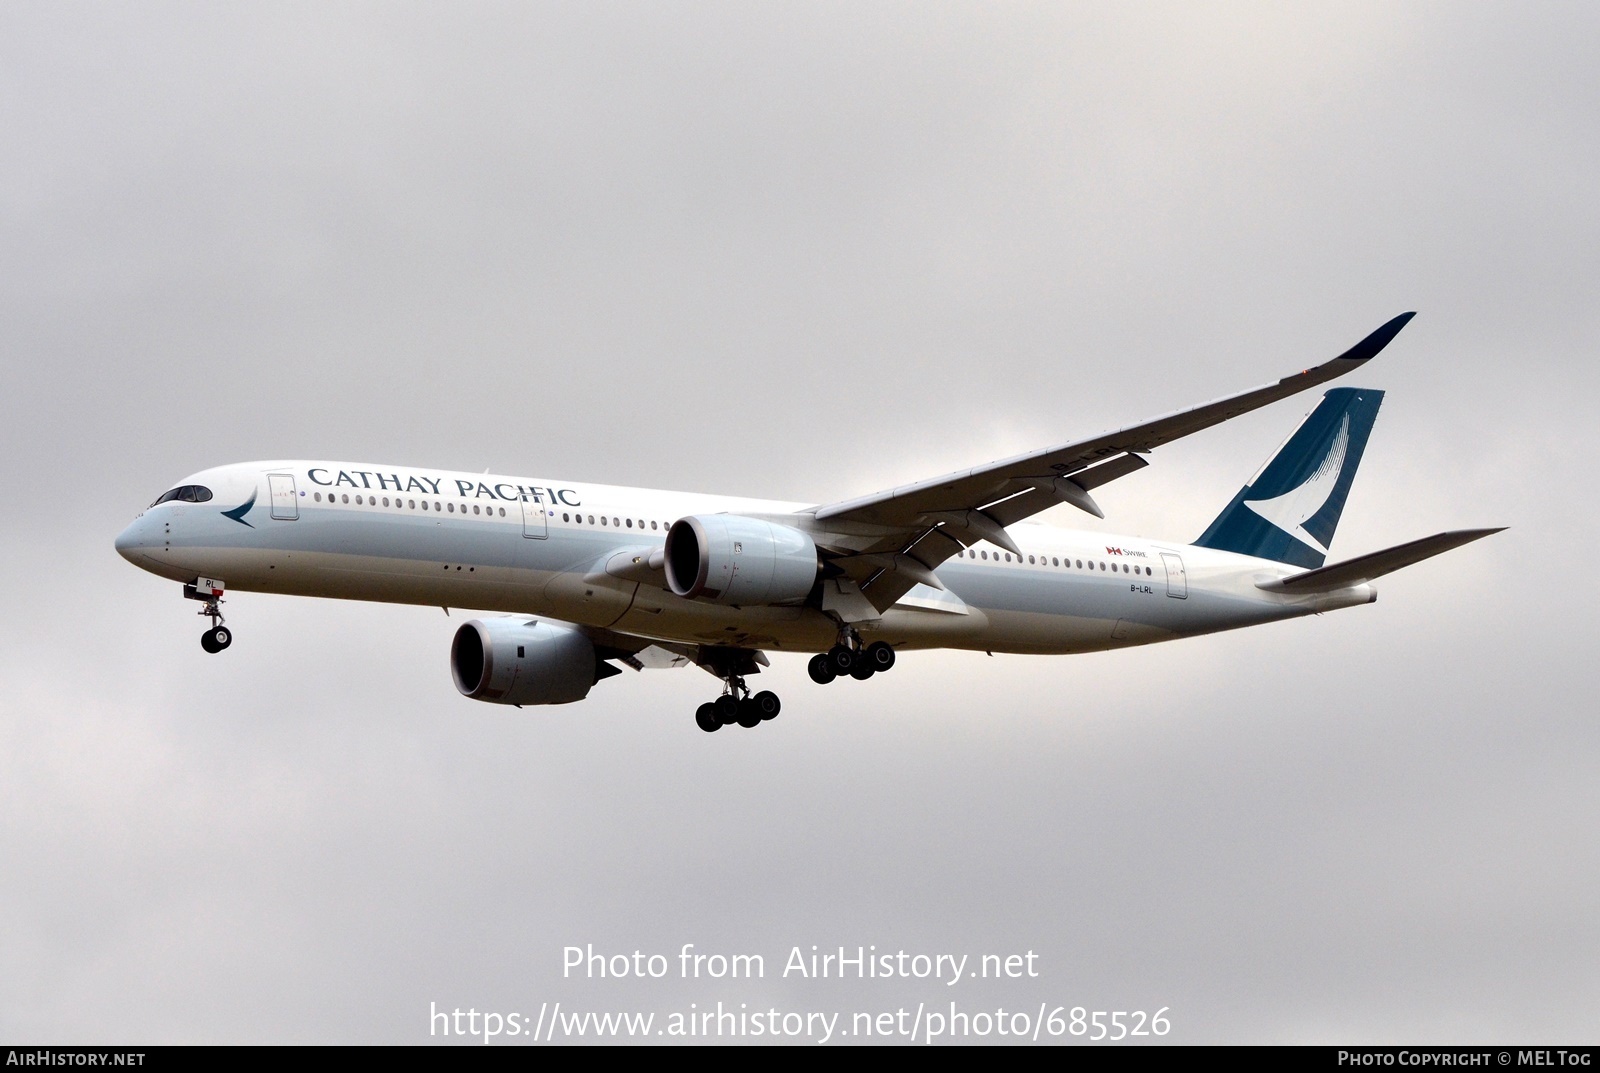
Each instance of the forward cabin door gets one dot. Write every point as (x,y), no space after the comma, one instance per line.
(535,523)
(285,504)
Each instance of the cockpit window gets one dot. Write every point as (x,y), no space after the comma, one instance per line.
(187,493)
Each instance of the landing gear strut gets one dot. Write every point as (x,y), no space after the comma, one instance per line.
(849,657)
(209,593)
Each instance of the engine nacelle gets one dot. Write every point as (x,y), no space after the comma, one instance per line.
(522,661)
(732,560)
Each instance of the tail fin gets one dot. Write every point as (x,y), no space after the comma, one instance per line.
(1288,513)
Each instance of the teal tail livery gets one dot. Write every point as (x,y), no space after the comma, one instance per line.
(1288,513)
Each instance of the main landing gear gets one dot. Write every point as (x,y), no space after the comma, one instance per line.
(848,657)
(738,705)
(209,593)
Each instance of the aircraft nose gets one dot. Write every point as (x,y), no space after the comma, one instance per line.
(131,540)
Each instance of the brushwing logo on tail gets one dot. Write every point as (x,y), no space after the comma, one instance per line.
(1294,508)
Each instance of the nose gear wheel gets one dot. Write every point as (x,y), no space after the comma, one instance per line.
(218,637)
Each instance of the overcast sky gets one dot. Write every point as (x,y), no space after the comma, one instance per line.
(799,251)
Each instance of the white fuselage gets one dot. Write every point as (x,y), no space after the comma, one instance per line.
(535,546)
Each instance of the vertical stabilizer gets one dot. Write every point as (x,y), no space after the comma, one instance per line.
(1288,513)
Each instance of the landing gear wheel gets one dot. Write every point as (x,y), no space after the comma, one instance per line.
(218,636)
(821,669)
(749,713)
(862,670)
(705,717)
(880,654)
(727,709)
(767,703)
(841,658)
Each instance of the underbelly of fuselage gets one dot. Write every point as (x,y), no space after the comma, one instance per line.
(642,609)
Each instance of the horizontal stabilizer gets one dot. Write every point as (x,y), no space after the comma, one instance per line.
(1364,568)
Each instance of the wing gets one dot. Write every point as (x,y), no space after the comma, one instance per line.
(646,653)
(883,544)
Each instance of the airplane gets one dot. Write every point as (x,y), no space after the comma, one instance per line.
(592,578)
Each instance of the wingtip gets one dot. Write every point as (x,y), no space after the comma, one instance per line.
(1369,347)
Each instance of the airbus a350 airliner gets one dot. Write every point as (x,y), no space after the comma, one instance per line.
(593,576)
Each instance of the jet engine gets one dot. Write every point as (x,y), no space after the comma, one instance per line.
(732,560)
(523,661)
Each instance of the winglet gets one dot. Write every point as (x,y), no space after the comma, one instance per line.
(1368,348)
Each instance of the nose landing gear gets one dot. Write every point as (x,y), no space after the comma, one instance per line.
(216,639)
(209,593)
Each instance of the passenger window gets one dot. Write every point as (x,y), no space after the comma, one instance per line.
(602,519)
(424,504)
